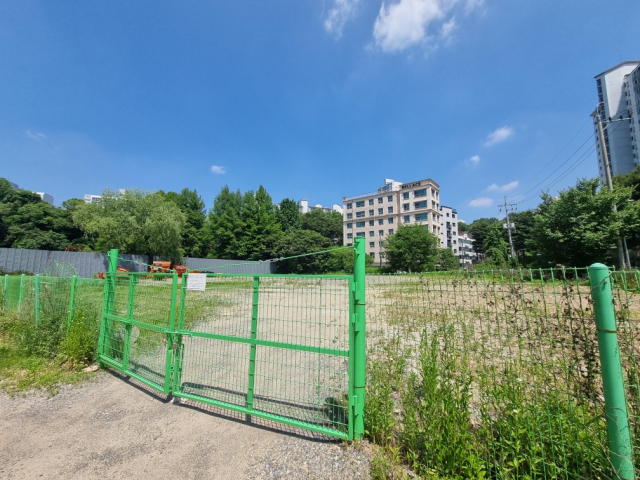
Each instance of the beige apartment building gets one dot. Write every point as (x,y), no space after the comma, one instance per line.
(376,215)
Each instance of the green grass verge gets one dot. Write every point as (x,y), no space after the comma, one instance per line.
(21,373)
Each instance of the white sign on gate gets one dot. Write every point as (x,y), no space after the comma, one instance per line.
(196,281)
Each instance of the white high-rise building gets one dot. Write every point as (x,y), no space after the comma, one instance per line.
(304,207)
(449,228)
(45,196)
(618,108)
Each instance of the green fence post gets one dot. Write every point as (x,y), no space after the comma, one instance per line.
(72,301)
(612,379)
(171,334)
(254,335)
(37,298)
(178,347)
(21,294)
(360,341)
(107,299)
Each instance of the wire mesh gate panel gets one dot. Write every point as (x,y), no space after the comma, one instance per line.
(276,347)
(138,320)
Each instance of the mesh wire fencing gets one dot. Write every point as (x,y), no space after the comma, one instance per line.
(275,347)
(496,372)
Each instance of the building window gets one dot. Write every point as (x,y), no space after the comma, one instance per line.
(349,216)
(381,233)
(406,207)
(434,229)
(371,212)
(381,243)
(422,204)
(391,231)
(380,211)
(381,221)
(349,225)
(359,224)
(360,204)
(349,235)
(433,204)
(372,223)
(447,214)
(453,215)
(360,234)
(360,214)
(349,205)
(390,209)
(453,224)
(390,198)
(372,244)
(406,219)
(435,217)
(380,199)
(421,217)
(373,254)
(405,196)
(420,193)
(371,201)
(390,220)
(372,233)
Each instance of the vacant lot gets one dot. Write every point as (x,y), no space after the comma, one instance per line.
(112,428)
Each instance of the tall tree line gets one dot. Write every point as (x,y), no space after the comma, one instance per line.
(243,226)
(577,228)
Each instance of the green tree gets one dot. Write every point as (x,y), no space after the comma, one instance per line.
(496,249)
(300,242)
(446,260)
(580,226)
(137,222)
(192,205)
(289,215)
(631,179)
(412,248)
(28,222)
(223,226)
(259,223)
(462,227)
(479,229)
(343,259)
(525,225)
(327,224)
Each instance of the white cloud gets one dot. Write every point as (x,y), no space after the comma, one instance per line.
(473,5)
(218,170)
(36,135)
(406,22)
(499,135)
(473,161)
(494,187)
(446,32)
(481,202)
(339,14)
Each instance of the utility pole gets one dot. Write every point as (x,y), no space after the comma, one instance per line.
(607,171)
(506,210)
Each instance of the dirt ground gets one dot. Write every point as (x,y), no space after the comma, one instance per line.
(112,428)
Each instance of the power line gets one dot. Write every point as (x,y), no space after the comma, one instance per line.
(571,168)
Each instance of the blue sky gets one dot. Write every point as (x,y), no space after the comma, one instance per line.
(314,99)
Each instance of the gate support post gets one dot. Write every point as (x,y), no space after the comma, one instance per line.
(107,300)
(21,294)
(254,335)
(72,301)
(360,341)
(615,403)
(37,298)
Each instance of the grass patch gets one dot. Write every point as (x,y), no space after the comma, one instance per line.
(21,372)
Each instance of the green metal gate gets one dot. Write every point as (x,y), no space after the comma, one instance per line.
(288,348)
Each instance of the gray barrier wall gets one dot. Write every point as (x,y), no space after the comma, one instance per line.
(89,263)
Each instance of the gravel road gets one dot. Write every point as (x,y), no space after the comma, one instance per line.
(111,428)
